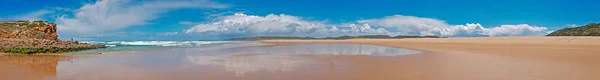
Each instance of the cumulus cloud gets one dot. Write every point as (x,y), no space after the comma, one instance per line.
(271,24)
(517,30)
(411,25)
(502,30)
(110,15)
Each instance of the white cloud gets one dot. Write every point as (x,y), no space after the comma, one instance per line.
(189,22)
(502,30)
(572,25)
(271,24)
(242,24)
(37,15)
(216,14)
(110,15)
(110,34)
(411,25)
(517,30)
(168,33)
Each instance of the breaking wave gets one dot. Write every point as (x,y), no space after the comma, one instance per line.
(158,43)
(133,46)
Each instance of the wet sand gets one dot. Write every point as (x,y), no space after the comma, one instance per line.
(291,61)
(29,67)
(497,58)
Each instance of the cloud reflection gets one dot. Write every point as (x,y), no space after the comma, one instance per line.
(284,58)
(243,65)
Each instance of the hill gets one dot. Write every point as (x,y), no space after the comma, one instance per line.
(592,29)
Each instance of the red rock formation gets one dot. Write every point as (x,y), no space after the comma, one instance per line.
(36,37)
(3,34)
(36,30)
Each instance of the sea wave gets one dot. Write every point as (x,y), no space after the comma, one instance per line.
(157,43)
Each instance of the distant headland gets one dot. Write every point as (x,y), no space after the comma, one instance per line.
(592,29)
(29,37)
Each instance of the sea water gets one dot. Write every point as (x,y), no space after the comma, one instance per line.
(127,46)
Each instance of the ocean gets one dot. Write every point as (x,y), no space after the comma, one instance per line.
(129,46)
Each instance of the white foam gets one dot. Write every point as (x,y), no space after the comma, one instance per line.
(111,45)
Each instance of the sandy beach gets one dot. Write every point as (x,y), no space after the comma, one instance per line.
(486,58)
(489,58)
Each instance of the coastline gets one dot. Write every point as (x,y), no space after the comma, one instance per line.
(493,58)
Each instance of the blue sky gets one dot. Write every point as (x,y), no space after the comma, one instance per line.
(217,19)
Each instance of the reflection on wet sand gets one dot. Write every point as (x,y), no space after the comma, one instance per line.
(286,58)
(327,49)
(30,66)
(298,61)
(241,65)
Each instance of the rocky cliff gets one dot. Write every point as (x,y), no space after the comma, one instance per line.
(35,37)
(26,29)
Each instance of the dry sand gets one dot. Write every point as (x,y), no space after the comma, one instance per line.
(489,58)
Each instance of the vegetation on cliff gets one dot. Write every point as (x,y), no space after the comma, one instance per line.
(339,37)
(35,37)
(592,29)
